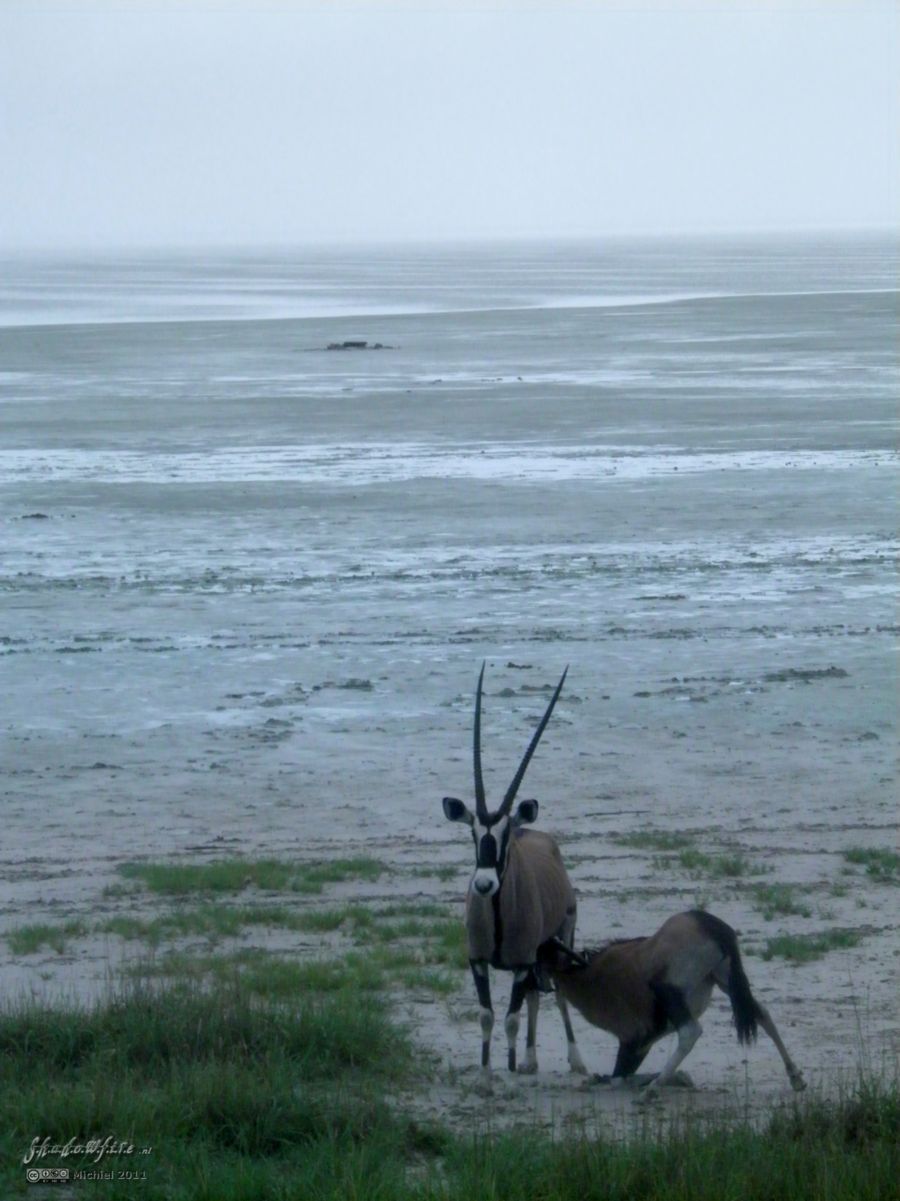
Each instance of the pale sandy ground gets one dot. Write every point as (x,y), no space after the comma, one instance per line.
(789,771)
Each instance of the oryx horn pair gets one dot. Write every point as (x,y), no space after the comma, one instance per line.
(484,816)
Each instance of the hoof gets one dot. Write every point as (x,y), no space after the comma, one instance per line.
(798,1084)
(528,1068)
(681,1080)
(484,1085)
(577,1066)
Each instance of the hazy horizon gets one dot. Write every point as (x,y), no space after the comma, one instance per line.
(138,126)
(262,246)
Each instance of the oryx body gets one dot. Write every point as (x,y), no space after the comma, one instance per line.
(640,989)
(519,898)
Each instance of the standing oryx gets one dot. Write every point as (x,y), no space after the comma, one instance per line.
(519,898)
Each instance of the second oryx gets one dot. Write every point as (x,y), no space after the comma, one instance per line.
(640,989)
(519,898)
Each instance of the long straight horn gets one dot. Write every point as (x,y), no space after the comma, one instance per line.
(480,802)
(532,747)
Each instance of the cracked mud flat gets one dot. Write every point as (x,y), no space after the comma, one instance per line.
(251,617)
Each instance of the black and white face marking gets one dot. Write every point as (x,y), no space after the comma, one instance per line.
(491,840)
(491,848)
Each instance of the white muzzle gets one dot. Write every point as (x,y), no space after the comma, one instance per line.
(485,882)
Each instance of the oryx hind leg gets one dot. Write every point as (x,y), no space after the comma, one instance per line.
(794,1074)
(519,991)
(763,1017)
(533,1002)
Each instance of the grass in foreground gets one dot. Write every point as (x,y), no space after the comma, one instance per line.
(242,1100)
(211,1080)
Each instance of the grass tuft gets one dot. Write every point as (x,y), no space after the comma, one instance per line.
(881,864)
(234,875)
(654,840)
(778,900)
(718,867)
(26,940)
(802,948)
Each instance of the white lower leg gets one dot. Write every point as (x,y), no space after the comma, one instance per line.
(687,1036)
(511,1025)
(794,1074)
(512,1017)
(533,1001)
(576,1063)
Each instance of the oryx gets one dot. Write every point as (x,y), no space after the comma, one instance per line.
(642,988)
(518,899)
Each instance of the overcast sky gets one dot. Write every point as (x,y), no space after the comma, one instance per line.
(200,122)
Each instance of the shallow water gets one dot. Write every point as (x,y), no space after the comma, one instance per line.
(241,570)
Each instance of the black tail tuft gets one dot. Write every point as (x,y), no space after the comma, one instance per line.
(744,1009)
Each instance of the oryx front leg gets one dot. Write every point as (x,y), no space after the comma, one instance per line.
(520,984)
(483,988)
(576,1063)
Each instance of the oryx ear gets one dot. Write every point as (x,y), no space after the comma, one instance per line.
(456,811)
(526,813)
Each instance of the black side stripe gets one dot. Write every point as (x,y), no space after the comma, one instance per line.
(498,926)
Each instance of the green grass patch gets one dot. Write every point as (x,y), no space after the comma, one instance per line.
(274,976)
(437,940)
(234,875)
(27,940)
(881,864)
(212,921)
(778,900)
(236,1099)
(439,873)
(219,921)
(802,948)
(654,840)
(731,865)
(830,1155)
